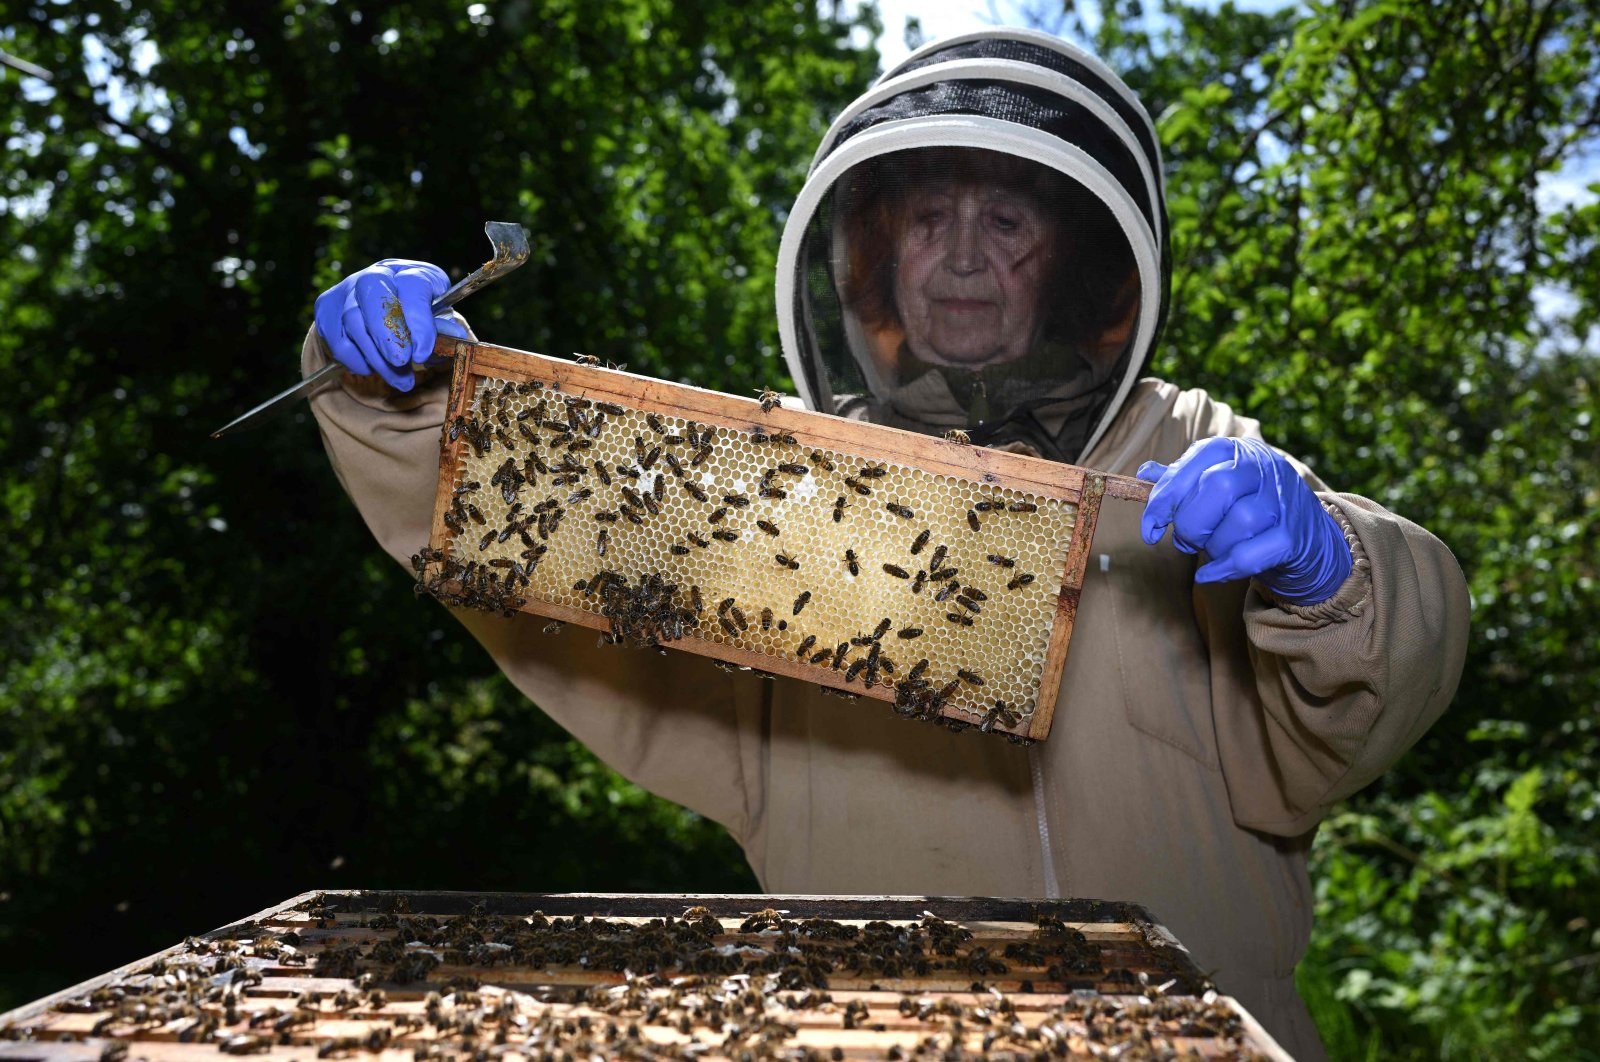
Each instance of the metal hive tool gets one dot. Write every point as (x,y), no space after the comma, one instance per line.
(932,574)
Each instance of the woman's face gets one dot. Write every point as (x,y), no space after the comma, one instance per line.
(968,270)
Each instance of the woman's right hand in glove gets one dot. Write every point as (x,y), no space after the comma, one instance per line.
(380,320)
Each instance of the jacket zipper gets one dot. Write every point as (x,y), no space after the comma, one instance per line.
(1052,887)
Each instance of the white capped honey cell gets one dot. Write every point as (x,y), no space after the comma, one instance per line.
(1011,625)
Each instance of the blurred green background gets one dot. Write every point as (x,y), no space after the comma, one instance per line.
(215,693)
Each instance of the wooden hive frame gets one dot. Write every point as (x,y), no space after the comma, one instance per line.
(268,984)
(1079,491)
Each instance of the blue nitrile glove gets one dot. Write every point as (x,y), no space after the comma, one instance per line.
(380,320)
(1244,504)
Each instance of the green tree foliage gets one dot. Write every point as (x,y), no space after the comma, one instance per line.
(1365,261)
(213,691)
(209,675)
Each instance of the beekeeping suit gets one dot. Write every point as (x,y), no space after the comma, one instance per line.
(1202,731)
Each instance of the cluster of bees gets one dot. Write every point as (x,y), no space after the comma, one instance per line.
(552,478)
(688,987)
(799,953)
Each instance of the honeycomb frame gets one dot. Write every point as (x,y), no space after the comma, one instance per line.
(735,517)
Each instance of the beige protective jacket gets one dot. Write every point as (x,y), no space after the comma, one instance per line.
(1201,734)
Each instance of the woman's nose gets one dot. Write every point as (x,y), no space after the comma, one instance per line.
(963,248)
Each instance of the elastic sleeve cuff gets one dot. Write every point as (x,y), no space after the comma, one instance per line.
(1353,594)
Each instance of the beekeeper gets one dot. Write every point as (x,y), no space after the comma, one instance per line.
(982,245)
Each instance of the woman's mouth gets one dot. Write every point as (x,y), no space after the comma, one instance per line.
(963,306)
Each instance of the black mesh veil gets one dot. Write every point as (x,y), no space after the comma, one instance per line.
(981,244)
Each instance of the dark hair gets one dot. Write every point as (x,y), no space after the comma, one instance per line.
(1084,295)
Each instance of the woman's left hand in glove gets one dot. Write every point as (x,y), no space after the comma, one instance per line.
(1244,504)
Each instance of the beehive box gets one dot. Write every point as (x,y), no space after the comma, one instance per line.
(551,977)
(936,575)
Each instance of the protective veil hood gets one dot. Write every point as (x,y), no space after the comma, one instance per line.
(981,243)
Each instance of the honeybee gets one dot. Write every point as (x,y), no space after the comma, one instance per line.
(611,408)
(800,602)
(851,562)
(971,678)
(805,646)
(787,561)
(1023,507)
(956,435)
(822,459)
(838,509)
(586,359)
(999,714)
(909,632)
(1019,582)
(920,541)
(897,571)
(769,399)
(768,526)
(972,520)
(1002,561)
(902,511)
